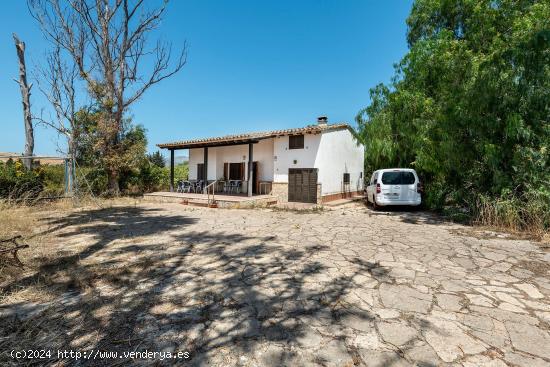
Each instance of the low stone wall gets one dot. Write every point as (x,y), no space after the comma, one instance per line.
(340,195)
(162,199)
(280,190)
(246,204)
(220,202)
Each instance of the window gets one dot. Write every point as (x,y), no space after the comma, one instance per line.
(200,171)
(236,171)
(391,178)
(296,142)
(407,178)
(398,178)
(346,178)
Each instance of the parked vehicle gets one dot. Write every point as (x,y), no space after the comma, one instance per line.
(394,186)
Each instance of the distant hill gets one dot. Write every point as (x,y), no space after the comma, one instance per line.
(180,159)
(5,156)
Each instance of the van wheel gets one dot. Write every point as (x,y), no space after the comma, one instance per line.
(374,205)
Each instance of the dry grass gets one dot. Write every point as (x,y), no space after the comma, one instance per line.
(24,221)
(521,219)
(28,221)
(52,271)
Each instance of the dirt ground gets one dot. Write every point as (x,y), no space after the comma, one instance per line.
(343,286)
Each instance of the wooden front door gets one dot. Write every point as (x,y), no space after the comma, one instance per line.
(302,185)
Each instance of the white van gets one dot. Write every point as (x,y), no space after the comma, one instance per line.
(394,186)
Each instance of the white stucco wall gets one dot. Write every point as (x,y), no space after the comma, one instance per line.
(305,158)
(196,156)
(333,153)
(339,153)
(263,154)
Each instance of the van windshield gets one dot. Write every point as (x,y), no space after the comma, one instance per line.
(398,178)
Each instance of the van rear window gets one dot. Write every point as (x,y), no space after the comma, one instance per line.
(398,178)
(407,178)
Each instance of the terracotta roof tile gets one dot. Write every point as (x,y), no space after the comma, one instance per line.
(247,137)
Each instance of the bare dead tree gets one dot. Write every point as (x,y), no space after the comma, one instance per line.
(108,41)
(26,97)
(57,79)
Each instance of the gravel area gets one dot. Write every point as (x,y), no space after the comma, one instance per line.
(337,287)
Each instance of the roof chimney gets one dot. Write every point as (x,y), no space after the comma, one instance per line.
(322,120)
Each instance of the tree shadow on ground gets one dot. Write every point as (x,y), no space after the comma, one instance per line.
(147,281)
(407,214)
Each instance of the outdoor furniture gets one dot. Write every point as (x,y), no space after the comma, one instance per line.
(198,186)
(235,186)
(226,187)
(181,186)
(192,185)
(220,185)
(186,186)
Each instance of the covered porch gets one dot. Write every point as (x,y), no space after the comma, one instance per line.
(230,166)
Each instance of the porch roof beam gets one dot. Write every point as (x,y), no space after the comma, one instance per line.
(210,144)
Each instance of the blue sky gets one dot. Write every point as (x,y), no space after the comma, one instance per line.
(252,65)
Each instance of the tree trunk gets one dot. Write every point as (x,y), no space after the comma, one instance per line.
(25,94)
(112,183)
(71,171)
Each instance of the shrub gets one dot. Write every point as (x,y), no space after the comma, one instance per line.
(530,212)
(17,183)
(53,179)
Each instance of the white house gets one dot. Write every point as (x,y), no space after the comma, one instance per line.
(316,163)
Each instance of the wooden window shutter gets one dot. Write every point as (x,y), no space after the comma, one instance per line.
(296,142)
(225,171)
(242,171)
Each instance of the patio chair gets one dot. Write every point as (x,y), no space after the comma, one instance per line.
(186,186)
(198,186)
(180,187)
(235,186)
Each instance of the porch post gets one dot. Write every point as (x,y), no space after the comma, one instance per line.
(250,168)
(205,167)
(171,170)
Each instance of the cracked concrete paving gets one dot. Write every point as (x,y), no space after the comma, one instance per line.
(339,287)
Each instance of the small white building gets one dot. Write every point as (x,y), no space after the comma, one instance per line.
(315,164)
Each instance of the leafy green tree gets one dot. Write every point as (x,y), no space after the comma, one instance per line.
(93,150)
(157,159)
(469,105)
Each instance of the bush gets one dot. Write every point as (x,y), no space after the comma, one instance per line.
(53,179)
(91,179)
(49,181)
(149,177)
(154,178)
(530,211)
(16,182)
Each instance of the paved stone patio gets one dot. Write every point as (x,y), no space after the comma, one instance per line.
(340,287)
